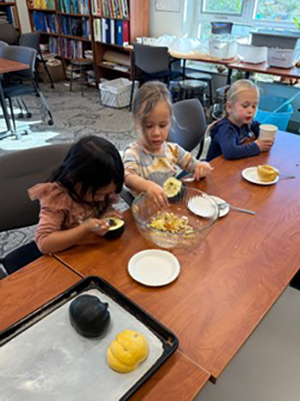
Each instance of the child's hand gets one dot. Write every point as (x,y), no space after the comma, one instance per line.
(156,194)
(264,144)
(202,170)
(98,226)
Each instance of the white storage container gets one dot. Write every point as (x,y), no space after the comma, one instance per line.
(222,48)
(252,54)
(282,58)
(116,93)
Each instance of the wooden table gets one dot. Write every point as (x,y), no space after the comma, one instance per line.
(179,379)
(5,67)
(33,286)
(264,68)
(232,279)
(235,64)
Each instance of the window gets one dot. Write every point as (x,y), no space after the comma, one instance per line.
(277,10)
(223,6)
(250,13)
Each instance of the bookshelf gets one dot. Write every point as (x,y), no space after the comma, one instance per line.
(9,13)
(101,28)
(117,24)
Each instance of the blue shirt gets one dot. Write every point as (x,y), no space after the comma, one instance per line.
(227,140)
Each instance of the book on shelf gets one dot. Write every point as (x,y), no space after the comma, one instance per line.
(111,31)
(44,4)
(54,45)
(75,26)
(72,48)
(10,15)
(73,7)
(45,22)
(116,66)
(89,54)
(110,8)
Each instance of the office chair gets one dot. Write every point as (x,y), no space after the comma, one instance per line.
(9,34)
(19,171)
(2,47)
(188,126)
(150,63)
(15,86)
(32,40)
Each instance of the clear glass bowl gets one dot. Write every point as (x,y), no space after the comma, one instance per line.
(144,211)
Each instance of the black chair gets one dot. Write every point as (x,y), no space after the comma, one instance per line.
(188,125)
(9,34)
(18,172)
(150,63)
(23,82)
(32,40)
(2,47)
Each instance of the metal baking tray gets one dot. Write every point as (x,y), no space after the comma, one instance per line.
(43,358)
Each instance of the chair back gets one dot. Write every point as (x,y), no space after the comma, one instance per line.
(9,34)
(23,55)
(188,124)
(31,40)
(151,59)
(2,47)
(19,171)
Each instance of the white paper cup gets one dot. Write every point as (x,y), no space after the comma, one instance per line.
(267,131)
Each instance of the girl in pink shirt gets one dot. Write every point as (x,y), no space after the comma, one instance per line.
(79,196)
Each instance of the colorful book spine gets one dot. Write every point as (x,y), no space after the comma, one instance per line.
(75,26)
(111,8)
(111,31)
(45,22)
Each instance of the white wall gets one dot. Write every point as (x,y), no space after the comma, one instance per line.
(165,22)
(23,15)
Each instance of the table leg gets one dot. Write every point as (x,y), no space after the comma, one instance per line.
(229,76)
(183,68)
(5,113)
(247,74)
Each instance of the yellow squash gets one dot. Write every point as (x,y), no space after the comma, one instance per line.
(128,350)
(267,173)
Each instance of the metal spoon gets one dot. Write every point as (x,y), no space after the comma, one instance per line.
(286,177)
(225,204)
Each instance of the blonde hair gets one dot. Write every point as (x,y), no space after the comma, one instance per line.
(231,95)
(146,98)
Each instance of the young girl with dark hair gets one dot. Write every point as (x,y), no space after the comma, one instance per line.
(79,195)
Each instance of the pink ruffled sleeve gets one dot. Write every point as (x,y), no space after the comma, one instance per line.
(54,202)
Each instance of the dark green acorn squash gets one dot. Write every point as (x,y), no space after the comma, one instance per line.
(89,316)
(116,229)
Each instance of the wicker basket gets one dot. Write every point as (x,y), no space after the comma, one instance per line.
(116,93)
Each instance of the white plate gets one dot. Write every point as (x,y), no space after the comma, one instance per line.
(189,178)
(154,267)
(250,174)
(201,206)
(219,201)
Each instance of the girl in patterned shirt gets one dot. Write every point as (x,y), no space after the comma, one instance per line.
(80,193)
(151,159)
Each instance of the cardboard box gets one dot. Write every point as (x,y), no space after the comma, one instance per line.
(56,71)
